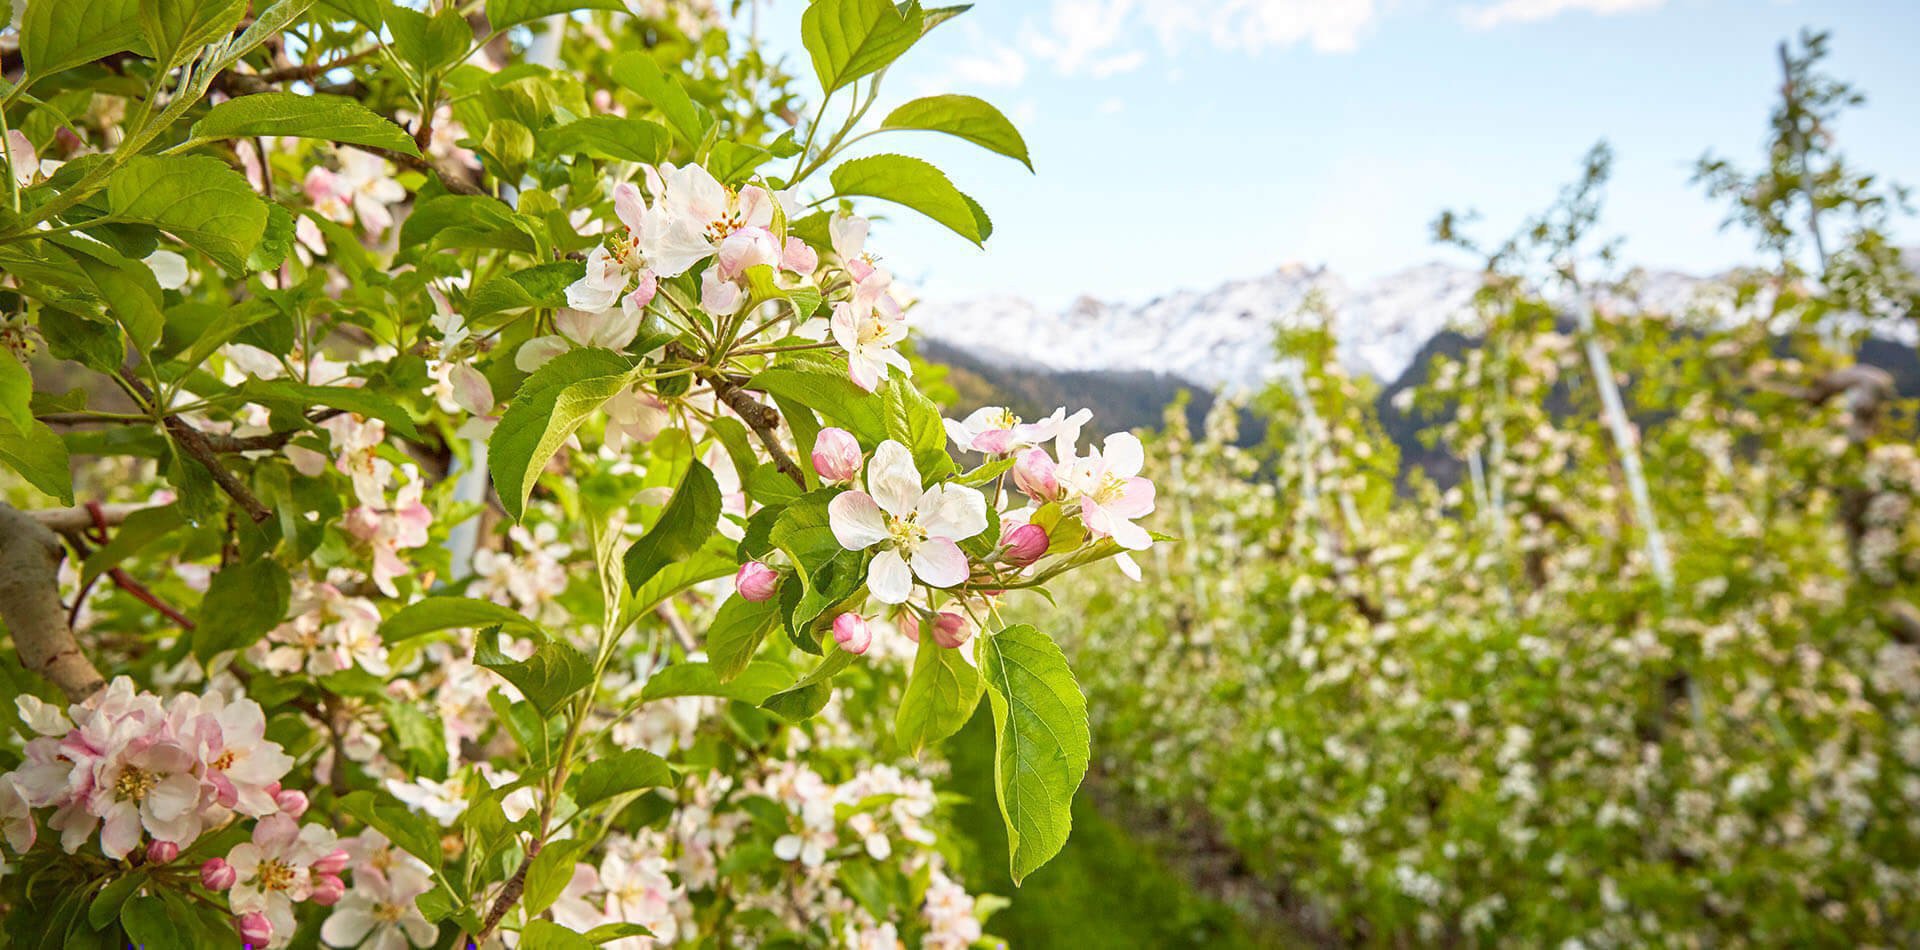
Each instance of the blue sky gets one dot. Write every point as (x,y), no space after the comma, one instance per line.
(1181,143)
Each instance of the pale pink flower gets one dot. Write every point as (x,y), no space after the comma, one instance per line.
(355,442)
(380,912)
(1107,483)
(799,257)
(148,783)
(916,528)
(243,768)
(274,871)
(16,819)
(389,532)
(869,335)
(695,214)
(363,186)
(610,329)
(22,158)
(635,416)
(995,430)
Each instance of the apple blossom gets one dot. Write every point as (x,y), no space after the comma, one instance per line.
(1111,493)
(388,531)
(995,430)
(363,187)
(292,801)
(16,818)
(756,581)
(240,764)
(145,781)
(916,529)
(836,455)
(275,869)
(160,852)
(869,335)
(609,329)
(380,912)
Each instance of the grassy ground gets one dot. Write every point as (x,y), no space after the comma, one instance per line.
(1104,889)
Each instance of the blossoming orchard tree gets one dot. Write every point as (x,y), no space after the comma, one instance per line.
(505,514)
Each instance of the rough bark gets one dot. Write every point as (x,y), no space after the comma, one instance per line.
(30,604)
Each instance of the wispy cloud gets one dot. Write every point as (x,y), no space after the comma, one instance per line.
(1490,15)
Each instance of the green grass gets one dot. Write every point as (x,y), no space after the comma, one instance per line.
(1104,889)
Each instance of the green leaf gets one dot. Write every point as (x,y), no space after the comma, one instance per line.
(940,697)
(330,118)
(548,678)
(915,184)
(16,393)
(807,697)
(629,770)
(848,39)
(176,29)
(738,627)
(128,288)
(39,457)
(415,834)
(687,522)
(547,935)
(914,421)
(606,933)
(965,117)
(150,923)
(505,13)
(429,44)
(753,683)
(733,163)
(244,600)
(549,407)
(638,71)
(550,872)
(446,613)
(542,285)
(704,565)
(1040,738)
(107,904)
(803,531)
(141,528)
(62,34)
(825,389)
(197,199)
(620,138)
(467,221)
(287,396)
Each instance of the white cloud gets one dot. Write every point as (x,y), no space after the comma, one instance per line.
(1530,11)
(1111,106)
(1000,65)
(1116,65)
(1329,26)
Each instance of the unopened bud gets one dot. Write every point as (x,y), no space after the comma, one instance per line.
(218,875)
(160,852)
(328,889)
(256,929)
(335,862)
(850,630)
(756,581)
(836,455)
(292,801)
(1025,544)
(950,630)
(1035,475)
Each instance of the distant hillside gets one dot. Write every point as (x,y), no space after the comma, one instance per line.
(1133,399)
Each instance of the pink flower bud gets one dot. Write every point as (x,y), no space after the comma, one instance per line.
(328,889)
(1034,473)
(950,630)
(756,581)
(909,624)
(218,875)
(292,801)
(1025,544)
(799,258)
(836,455)
(335,862)
(850,630)
(160,852)
(256,929)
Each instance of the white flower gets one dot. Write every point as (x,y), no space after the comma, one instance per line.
(379,913)
(869,334)
(916,528)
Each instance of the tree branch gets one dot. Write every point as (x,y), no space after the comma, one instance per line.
(197,446)
(30,604)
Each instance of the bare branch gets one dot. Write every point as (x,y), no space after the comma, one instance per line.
(30,604)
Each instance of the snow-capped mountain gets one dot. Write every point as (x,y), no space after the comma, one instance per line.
(1224,337)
